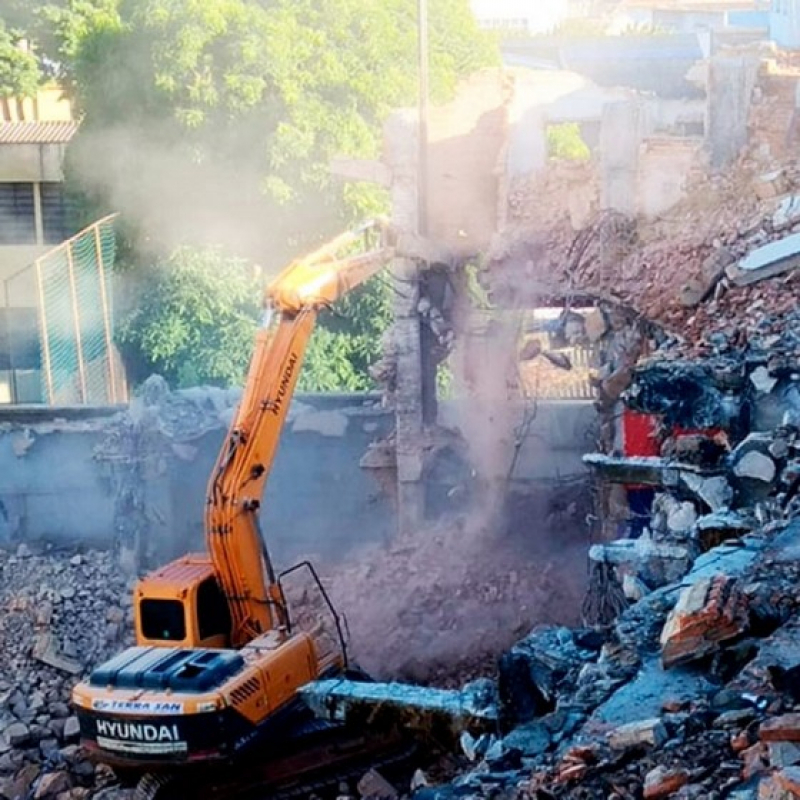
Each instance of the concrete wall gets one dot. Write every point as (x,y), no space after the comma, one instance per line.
(60,480)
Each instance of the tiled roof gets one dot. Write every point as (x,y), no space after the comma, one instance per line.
(37,132)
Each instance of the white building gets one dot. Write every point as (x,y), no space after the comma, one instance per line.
(528,16)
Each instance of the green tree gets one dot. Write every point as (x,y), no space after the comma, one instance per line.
(19,68)
(214,122)
(193,319)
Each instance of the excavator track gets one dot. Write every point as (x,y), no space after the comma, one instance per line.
(339,756)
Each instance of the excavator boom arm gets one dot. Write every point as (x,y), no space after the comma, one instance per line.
(293,300)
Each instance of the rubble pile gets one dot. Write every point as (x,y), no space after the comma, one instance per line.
(692,692)
(60,614)
(447,600)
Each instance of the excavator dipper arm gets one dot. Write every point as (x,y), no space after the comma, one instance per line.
(239,555)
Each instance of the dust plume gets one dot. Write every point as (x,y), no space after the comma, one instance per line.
(441,604)
(172,193)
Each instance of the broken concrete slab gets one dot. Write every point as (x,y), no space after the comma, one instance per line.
(645,470)
(447,712)
(788,779)
(776,258)
(711,611)
(783,754)
(732,559)
(655,563)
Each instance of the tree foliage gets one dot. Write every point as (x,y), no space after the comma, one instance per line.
(19,69)
(214,122)
(193,320)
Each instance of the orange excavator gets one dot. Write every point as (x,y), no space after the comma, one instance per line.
(217,663)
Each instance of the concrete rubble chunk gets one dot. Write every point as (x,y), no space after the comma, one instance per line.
(650,732)
(531,740)
(72,729)
(762,380)
(710,611)
(45,649)
(17,734)
(471,708)
(757,466)
(654,563)
(535,669)
(715,492)
(662,782)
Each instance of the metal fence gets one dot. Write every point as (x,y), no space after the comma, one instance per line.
(70,287)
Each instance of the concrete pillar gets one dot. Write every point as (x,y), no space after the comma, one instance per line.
(621,134)
(728,104)
(402,138)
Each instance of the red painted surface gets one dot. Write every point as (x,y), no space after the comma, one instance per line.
(639,434)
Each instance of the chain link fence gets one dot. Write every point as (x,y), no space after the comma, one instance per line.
(70,289)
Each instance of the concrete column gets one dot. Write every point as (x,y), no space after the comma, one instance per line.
(728,105)
(402,138)
(621,134)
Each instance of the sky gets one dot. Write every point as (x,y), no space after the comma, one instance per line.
(541,15)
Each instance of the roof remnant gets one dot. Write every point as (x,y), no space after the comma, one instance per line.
(37,132)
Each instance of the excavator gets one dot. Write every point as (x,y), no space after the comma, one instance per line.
(218,662)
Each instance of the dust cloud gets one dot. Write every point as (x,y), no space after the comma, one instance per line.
(441,604)
(171,194)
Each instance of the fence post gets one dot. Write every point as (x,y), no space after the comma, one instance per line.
(45,341)
(76,318)
(112,396)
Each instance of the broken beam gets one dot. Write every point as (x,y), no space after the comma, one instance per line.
(441,713)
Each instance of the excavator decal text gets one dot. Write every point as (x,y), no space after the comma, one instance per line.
(283,388)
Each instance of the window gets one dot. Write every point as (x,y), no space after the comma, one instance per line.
(55,214)
(163,620)
(17,215)
(213,616)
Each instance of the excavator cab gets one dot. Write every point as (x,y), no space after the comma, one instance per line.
(182,605)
